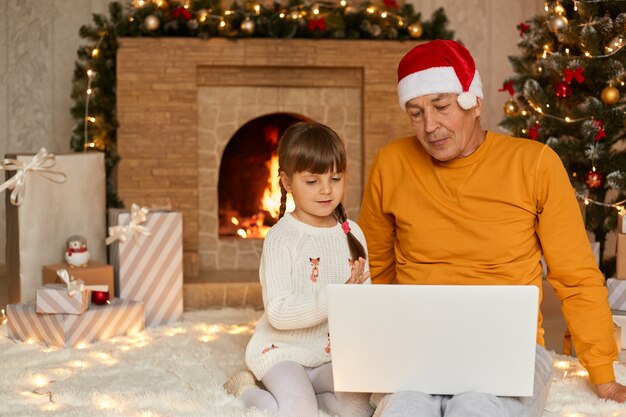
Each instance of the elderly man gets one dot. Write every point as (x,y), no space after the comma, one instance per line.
(455,204)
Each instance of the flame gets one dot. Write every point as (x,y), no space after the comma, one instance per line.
(254,227)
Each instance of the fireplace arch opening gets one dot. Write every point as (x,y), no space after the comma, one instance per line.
(248,187)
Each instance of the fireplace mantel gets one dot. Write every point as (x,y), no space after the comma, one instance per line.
(158,102)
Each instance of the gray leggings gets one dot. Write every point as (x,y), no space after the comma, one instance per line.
(294,390)
(469,404)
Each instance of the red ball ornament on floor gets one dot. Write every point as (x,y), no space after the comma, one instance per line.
(99,297)
(562,90)
(593,179)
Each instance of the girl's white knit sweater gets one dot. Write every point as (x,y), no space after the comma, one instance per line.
(297,263)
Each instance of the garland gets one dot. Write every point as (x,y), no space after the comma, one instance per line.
(94,78)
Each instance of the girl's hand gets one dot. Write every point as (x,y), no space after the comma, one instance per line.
(358,275)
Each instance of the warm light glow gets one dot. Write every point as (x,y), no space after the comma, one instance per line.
(559,8)
(94,53)
(208,338)
(242,234)
(383,15)
(539,110)
(567,51)
(567,119)
(400,22)
(222,23)
(282,15)
(587,54)
(40,380)
(234,221)
(524,112)
(562,364)
(371,9)
(82,345)
(227,12)
(89,91)
(546,8)
(131,19)
(90,73)
(92,119)
(316,11)
(343,3)
(586,202)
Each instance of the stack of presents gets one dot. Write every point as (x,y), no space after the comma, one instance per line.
(617,285)
(62,290)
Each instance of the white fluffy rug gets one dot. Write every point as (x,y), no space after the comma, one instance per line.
(179,370)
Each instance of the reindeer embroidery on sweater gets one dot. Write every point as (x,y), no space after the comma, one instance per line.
(315,272)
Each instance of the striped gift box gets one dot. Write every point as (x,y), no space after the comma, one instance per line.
(617,293)
(100,322)
(54,298)
(150,268)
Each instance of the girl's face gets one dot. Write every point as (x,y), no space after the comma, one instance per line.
(315,196)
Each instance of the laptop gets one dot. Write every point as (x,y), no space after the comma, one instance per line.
(438,339)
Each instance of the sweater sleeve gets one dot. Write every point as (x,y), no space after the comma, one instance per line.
(378,227)
(572,269)
(287,309)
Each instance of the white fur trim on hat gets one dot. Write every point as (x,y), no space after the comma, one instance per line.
(436,80)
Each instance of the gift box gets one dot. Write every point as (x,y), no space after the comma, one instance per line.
(147,256)
(95,273)
(55,298)
(64,196)
(100,322)
(620,257)
(617,293)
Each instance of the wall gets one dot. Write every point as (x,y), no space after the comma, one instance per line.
(39,39)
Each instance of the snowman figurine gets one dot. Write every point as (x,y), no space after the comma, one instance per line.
(76,253)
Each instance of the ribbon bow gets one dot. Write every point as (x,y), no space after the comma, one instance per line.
(317,24)
(523,28)
(40,165)
(508,87)
(138,215)
(576,73)
(345,226)
(77,286)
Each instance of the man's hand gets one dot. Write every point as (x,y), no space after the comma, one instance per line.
(612,391)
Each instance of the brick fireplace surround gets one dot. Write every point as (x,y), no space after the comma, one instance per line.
(180,100)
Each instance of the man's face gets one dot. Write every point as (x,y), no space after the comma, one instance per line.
(444,129)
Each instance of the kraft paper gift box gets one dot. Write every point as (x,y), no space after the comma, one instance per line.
(55,298)
(617,293)
(620,257)
(100,322)
(95,273)
(50,212)
(149,266)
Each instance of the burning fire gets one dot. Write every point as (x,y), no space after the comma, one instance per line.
(254,226)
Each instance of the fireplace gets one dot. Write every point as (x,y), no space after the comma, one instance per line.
(248,185)
(199,123)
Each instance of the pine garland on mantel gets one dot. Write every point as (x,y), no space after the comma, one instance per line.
(94,81)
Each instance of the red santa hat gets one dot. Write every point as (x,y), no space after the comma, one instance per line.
(436,67)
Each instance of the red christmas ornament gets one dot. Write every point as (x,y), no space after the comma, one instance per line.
(601,133)
(99,297)
(533,132)
(181,12)
(317,24)
(508,87)
(392,4)
(523,28)
(562,90)
(593,179)
(576,73)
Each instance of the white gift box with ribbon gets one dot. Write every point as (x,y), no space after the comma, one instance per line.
(71,297)
(147,256)
(49,198)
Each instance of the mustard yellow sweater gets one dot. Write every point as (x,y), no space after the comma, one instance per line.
(487,219)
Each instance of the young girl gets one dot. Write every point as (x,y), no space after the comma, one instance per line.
(307,249)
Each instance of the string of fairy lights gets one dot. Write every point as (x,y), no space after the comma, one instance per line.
(610,95)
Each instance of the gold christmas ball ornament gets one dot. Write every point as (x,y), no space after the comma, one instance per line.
(415,30)
(152,22)
(511,108)
(610,95)
(247,26)
(558,23)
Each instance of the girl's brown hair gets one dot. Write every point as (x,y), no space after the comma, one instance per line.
(314,148)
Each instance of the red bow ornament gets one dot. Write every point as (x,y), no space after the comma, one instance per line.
(523,28)
(576,73)
(508,87)
(392,4)
(181,11)
(317,24)
(601,133)
(533,132)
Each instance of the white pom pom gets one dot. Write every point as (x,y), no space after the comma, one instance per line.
(467,100)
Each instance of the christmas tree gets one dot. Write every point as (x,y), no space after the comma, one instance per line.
(568,92)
